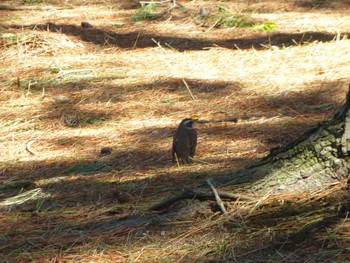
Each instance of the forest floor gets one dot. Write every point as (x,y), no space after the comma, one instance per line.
(67,91)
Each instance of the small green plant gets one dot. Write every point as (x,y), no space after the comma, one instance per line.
(117,24)
(223,9)
(147,12)
(226,18)
(94,121)
(236,21)
(54,69)
(229,19)
(269,26)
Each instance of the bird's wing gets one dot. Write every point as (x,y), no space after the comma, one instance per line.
(193,142)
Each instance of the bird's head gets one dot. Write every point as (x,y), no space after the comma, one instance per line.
(188,123)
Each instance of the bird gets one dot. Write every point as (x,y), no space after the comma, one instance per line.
(184,141)
(202,12)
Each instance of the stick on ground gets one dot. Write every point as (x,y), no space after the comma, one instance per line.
(29,147)
(190,194)
(188,88)
(217,197)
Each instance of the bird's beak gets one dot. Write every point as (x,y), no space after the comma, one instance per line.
(195,118)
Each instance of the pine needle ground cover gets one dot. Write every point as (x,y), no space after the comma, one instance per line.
(67,91)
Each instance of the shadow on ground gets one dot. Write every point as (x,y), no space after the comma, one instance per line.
(84,205)
(144,40)
(111,99)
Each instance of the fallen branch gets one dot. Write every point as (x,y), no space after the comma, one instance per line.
(217,197)
(194,194)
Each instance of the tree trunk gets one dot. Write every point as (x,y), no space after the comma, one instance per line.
(318,159)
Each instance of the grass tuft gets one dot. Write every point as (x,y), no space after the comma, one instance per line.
(147,11)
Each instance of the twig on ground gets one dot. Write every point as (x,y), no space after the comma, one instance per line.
(188,88)
(29,147)
(137,39)
(158,44)
(217,197)
(179,4)
(217,22)
(261,200)
(190,194)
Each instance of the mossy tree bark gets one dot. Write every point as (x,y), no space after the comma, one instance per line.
(319,158)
